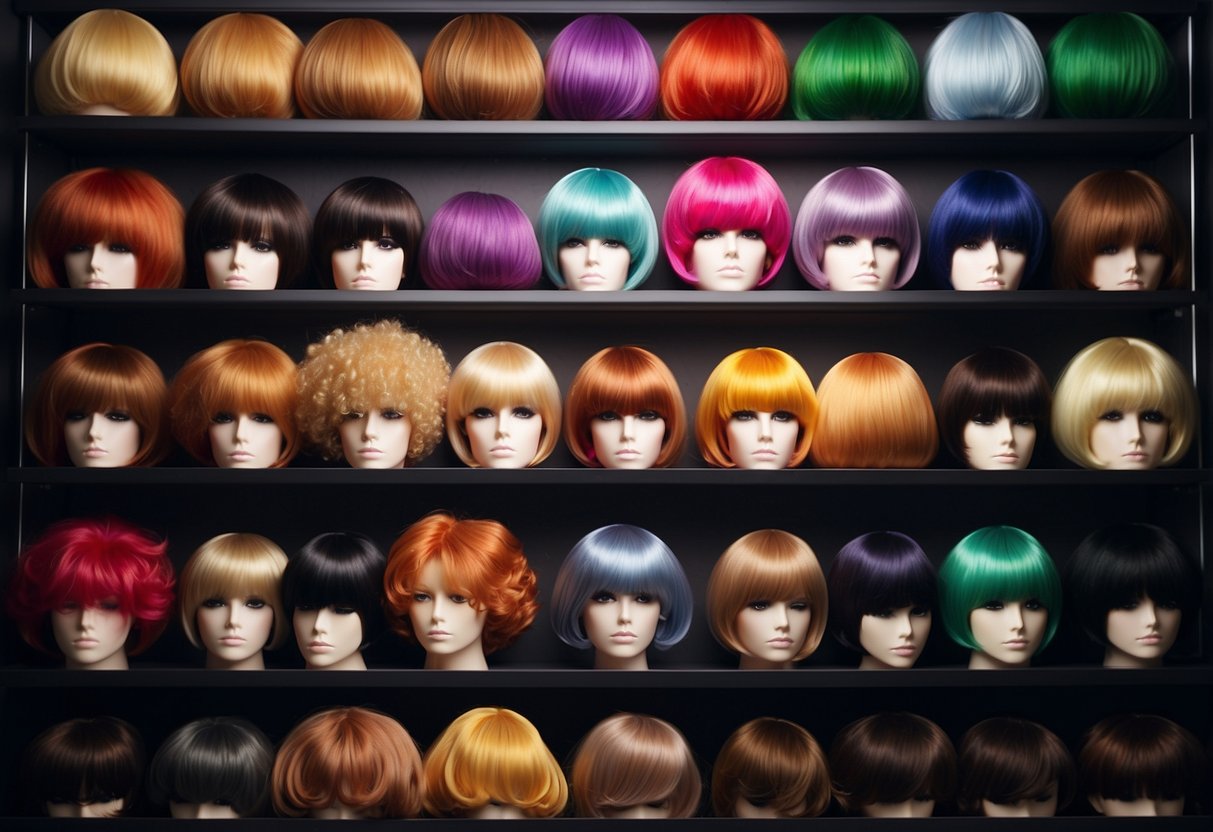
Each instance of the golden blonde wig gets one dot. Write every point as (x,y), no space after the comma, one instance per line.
(241,65)
(358,68)
(483,66)
(233,565)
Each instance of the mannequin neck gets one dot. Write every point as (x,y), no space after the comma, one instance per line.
(253,662)
(354,661)
(605,662)
(1113,657)
(469,658)
(115,662)
(984,661)
(754,663)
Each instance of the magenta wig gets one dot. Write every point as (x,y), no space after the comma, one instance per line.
(861,202)
(600,68)
(480,241)
(726,193)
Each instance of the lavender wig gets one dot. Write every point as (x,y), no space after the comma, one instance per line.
(875,572)
(480,241)
(600,68)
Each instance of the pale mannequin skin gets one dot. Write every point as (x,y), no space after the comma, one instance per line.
(1128,268)
(594,264)
(771,633)
(1009,635)
(761,439)
(896,636)
(1141,634)
(1130,440)
(244,440)
(730,260)
(504,438)
(1026,808)
(234,631)
(92,638)
(369,265)
(745,809)
(448,627)
(631,441)
(102,110)
(375,438)
(497,811)
(101,440)
(1004,443)
(621,627)
(861,264)
(905,809)
(1142,807)
(338,811)
(642,812)
(108,809)
(241,264)
(330,638)
(986,265)
(202,810)
(101,265)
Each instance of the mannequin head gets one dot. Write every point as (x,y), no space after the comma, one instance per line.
(366,235)
(497,394)
(726,225)
(635,766)
(1141,765)
(359,762)
(855,67)
(1012,767)
(480,241)
(892,765)
(624,410)
(375,394)
(483,66)
(770,768)
(597,232)
(84,768)
(493,759)
(107,228)
(875,413)
(724,67)
(241,65)
(1124,404)
(1109,65)
(767,599)
(357,67)
(985,65)
(215,767)
(600,68)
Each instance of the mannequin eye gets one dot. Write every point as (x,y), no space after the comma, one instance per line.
(119,248)
(1108,250)
(482,413)
(262,418)
(74,416)
(707,234)
(573,242)
(603,597)
(118,416)
(758,606)
(1154,417)
(341,609)
(783,416)
(658,804)
(522,413)
(1033,604)
(458,599)
(1169,604)
(306,607)
(109,605)
(220,245)
(613,244)
(1010,245)
(843,240)
(743,416)
(391,415)
(648,415)
(254,603)
(1149,248)
(607,416)
(263,246)
(214,603)
(1045,797)
(420,597)
(77,248)
(885,613)
(347,245)
(1127,605)
(751,234)
(972,245)
(799,606)
(352,416)
(1024,422)
(982,419)
(920,612)
(1111,416)
(387,244)
(992,605)
(223,418)
(642,598)
(885,242)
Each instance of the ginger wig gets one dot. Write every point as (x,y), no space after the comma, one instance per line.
(358,68)
(991,383)
(1130,756)
(88,759)
(774,763)
(600,68)
(480,241)
(856,66)
(218,759)
(483,66)
(1005,760)
(241,65)
(236,564)
(366,208)
(891,757)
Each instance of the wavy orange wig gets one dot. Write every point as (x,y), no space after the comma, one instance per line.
(483,66)
(241,65)
(358,68)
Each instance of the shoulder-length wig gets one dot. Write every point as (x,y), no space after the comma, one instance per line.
(241,65)
(891,757)
(337,569)
(354,756)
(985,65)
(631,760)
(366,208)
(875,572)
(626,560)
(233,565)
(112,205)
(492,755)
(1133,756)
(626,380)
(88,759)
(483,66)
(1006,759)
(773,763)
(217,759)
(758,378)
(725,193)
(357,67)
(856,66)
(1122,374)
(1109,65)
(502,374)
(600,68)
(480,241)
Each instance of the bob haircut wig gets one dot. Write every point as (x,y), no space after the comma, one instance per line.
(480,241)
(768,564)
(108,205)
(354,756)
(337,568)
(218,759)
(627,560)
(864,202)
(891,757)
(594,202)
(725,192)
(492,755)
(236,564)
(357,67)
(856,66)
(1122,374)
(633,759)
(758,378)
(875,413)
(1109,65)
(84,760)
(241,65)
(483,66)
(1005,760)
(626,380)
(773,763)
(95,378)
(875,572)
(107,58)
(600,68)
(366,208)
(1133,756)
(985,65)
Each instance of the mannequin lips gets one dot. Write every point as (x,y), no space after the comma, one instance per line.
(765,454)
(1131,284)
(1150,639)
(992,283)
(1009,456)
(502,451)
(904,650)
(85,643)
(95,452)
(628,454)
(232,641)
(1016,644)
(780,641)
(591,279)
(319,647)
(364,281)
(370,453)
(96,283)
(236,281)
(241,456)
(623,637)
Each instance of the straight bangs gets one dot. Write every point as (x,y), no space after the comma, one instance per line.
(257,379)
(234,565)
(1133,756)
(739,202)
(321,582)
(873,209)
(768,380)
(357,219)
(904,579)
(508,375)
(1128,214)
(118,378)
(635,385)
(997,394)
(987,205)
(892,758)
(1135,385)
(86,761)
(1008,760)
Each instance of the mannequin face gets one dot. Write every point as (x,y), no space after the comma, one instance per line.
(1130,440)
(103,265)
(101,440)
(732,260)
(861,264)
(988,265)
(621,626)
(627,441)
(894,638)
(368,264)
(245,440)
(1142,807)
(1136,267)
(338,811)
(772,632)
(593,264)
(905,809)
(1140,633)
(645,811)
(504,438)
(376,438)
(330,638)
(1009,632)
(241,264)
(103,809)
(497,811)
(1004,443)
(235,629)
(762,439)
(92,638)
(445,623)
(202,810)
(745,809)
(1039,807)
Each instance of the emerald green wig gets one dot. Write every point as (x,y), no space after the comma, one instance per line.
(856,66)
(1109,65)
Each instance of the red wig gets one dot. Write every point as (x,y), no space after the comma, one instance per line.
(728,67)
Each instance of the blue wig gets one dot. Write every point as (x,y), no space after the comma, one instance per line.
(985,65)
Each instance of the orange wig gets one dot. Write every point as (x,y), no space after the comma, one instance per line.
(241,65)
(358,68)
(483,66)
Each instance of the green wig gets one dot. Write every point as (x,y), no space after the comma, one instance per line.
(856,66)
(1109,65)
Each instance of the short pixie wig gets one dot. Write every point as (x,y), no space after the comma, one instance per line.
(1005,760)
(366,208)
(598,203)
(480,241)
(985,65)
(357,67)
(88,759)
(483,66)
(863,202)
(875,572)
(996,563)
(856,66)
(891,757)
(1109,65)
(108,205)
(1133,756)
(492,755)
(600,68)
(626,380)
(241,65)
(218,759)
(233,565)
(337,569)
(758,378)
(725,193)
(773,763)
(1122,374)
(626,560)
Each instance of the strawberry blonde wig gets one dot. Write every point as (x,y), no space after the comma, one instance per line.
(241,65)
(358,68)
(236,564)
(483,66)
(774,763)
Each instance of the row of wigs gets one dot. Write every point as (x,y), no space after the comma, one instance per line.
(718,67)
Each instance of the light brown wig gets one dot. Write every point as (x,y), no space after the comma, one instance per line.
(241,65)
(774,763)
(483,66)
(358,68)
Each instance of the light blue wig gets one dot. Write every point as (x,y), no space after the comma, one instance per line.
(985,65)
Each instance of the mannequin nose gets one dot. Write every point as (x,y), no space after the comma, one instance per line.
(1149,612)
(764,427)
(372,422)
(1131,425)
(992,256)
(593,251)
(87,618)
(365,248)
(243,425)
(866,251)
(95,263)
(321,624)
(628,428)
(240,252)
(904,628)
(781,616)
(625,609)
(438,613)
(233,615)
(1130,258)
(503,422)
(730,243)
(1015,616)
(1005,435)
(95,425)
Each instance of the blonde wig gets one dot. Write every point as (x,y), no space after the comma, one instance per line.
(492,755)
(769,565)
(760,378)
(241,65)
(875,413)
(107,58)
(233,565)
(774,763)
(380,365)
(1122,374)
(483,66)
(358,68)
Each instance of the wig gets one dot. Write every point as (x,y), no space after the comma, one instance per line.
(233,565)
(240,375)
(337,569)
(985,65)
(724,67)
(891,757)
(632,760)
(483,66)
(725,193)
(626,560)
(502,374)
(1117,208)
(84,760)
(380,365)
(987,205)
(241,65)
(856,66)
(366,208)
(771,565)
(875,572)
(600,68)
(1005,760)
(86,562)
(598,203)
(108,205)
(357,67)
(218,759)
(875,413)
(353,756)
(492,755)
(1133,756)
(625,380)
(863,202)
(773,763)
(1122,374)
(1109,65)
(480,241)
(107,58)
(999,563)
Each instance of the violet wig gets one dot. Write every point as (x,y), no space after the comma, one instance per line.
(600,68)
(875,572)
(480,241)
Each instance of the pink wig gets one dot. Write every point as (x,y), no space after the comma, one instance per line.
(480,241)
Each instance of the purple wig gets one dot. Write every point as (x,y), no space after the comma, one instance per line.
(725,193)
(863,202)
(599,68)
(480,241)
(875,572)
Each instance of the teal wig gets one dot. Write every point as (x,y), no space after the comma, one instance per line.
(856,66)
(1109,65)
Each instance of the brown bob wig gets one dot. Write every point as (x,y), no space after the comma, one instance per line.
(1005,760)
(891,758)
(1133,756)
(773,763)
(483,66)
(358,68)
(241,65)
(86,760)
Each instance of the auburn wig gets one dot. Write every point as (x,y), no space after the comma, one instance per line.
(891,757)
(218,759)
(233,565)
(480,241)
(84,760)
(241,65)
(366,208)
(1005,760)
(483,66)
(857,66)
(357,67)
(1133,756)
(875,572)
(600,68)
(338,569)
(773,763)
